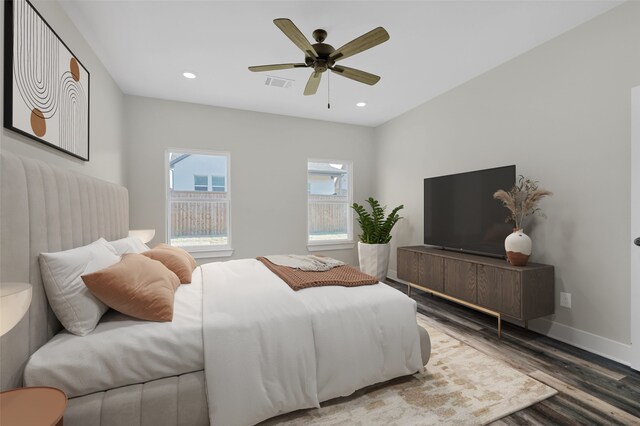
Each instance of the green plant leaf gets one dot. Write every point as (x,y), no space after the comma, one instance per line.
(375,228)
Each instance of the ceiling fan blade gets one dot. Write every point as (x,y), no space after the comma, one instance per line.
(357,75)
(313,83)
(360,44)
(258,68)
(295,35)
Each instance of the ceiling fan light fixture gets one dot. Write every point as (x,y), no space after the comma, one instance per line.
(189,75)
(361,104)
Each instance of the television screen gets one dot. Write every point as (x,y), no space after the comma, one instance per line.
(460,212)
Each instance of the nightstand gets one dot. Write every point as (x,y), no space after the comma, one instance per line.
(33,406)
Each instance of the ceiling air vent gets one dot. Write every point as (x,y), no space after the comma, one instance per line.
(283,83)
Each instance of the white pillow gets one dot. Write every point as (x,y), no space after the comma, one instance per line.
(77,309)
(129,245)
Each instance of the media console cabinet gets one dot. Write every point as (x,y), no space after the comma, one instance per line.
(490,285)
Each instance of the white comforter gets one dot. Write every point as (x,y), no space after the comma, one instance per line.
(270,350)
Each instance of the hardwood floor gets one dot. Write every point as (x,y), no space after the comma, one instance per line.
(591,389)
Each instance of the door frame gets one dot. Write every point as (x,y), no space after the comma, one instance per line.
(635,228)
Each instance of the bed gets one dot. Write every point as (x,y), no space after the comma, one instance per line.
(46,209)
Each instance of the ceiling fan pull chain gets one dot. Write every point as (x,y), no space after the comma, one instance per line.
(328,90)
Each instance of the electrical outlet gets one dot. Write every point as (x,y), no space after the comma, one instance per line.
(565,300)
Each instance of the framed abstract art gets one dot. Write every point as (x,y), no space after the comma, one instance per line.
(46,87)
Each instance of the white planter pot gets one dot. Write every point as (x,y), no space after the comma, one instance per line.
(518,248)
(374,259)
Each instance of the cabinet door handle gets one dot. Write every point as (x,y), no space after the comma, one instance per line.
(637,241)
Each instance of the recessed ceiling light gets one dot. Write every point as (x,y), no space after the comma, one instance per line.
(361,104)
(188,75)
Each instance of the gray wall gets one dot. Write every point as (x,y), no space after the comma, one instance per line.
(268,168)
(562,114)
(106,109)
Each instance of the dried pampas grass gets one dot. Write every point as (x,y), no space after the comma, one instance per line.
(522,200)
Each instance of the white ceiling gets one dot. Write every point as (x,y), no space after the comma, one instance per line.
(434,46)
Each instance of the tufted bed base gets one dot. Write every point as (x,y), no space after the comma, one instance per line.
(172,401)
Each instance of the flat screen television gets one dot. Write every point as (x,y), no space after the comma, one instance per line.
(461,214)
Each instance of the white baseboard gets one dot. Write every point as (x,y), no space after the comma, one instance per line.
(593,343)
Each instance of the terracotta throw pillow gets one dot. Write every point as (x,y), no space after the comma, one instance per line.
(174,258)
(136,286)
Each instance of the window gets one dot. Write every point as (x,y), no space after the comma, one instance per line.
(329,188)
(199,202)
(217,183)
(200,183)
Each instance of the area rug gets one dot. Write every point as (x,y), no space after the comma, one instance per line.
(461,386)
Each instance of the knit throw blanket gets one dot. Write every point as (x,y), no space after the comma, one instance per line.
(297,279)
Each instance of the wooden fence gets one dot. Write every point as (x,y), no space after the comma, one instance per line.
(198,213)
(327,218)
(202,213)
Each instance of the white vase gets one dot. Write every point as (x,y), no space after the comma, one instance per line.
(518,248)
(374,259)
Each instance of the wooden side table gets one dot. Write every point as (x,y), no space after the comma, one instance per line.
(33,406)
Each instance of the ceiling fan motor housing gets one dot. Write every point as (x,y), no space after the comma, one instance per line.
(323,50)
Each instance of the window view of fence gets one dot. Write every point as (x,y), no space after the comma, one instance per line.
(328,220)
(199,218)
(198,200)
(329,197)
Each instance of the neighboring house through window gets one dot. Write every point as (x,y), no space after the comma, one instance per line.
(329,187)
(199,202)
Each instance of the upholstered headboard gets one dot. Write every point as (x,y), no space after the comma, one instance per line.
(47,209)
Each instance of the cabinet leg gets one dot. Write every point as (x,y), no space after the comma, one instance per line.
(499,326)
(408,290)
(526,324)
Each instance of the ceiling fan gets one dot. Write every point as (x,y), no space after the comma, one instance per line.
(322,57)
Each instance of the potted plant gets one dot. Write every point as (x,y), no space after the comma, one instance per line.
(521,201)
(373,247)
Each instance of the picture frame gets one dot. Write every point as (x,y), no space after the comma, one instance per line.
(46,87)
